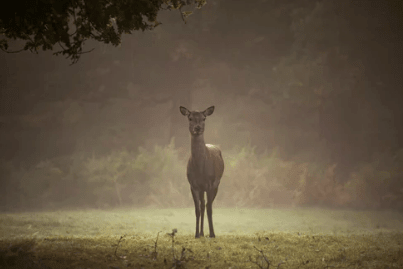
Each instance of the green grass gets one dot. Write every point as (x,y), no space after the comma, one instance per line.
(293,238)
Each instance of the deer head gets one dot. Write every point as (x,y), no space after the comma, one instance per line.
(196,119)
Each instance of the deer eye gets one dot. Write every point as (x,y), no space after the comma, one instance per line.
(190,119)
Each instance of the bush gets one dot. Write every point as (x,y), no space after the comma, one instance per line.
(157,177)
(254,180)
(378,184)
(166,175)
(150,177)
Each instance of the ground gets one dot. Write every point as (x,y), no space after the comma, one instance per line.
(286,238)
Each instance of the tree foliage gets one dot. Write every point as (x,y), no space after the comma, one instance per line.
(69,23)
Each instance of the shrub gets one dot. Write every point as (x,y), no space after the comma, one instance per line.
(166,176)
(157,177)
(254,180)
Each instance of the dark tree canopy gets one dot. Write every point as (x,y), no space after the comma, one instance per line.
(69,23)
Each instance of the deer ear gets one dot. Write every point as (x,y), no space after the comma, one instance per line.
(208,111)
(184,111)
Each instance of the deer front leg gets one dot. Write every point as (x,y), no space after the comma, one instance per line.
(210,198)
(202,208)
(196,199)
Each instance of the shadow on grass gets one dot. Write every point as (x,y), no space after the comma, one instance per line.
(172,250)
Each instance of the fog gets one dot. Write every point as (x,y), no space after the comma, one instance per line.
(307,114)
(307,100)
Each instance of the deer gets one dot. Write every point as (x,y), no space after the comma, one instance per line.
(204,169)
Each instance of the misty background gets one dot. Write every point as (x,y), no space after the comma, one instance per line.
(307,98)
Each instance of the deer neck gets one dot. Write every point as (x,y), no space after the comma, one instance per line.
(198,149)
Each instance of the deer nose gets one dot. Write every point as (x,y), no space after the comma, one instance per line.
(197,128)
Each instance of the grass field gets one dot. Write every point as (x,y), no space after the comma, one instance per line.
(246,238)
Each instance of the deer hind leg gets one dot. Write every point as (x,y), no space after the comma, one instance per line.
(211,194)
(196,199)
